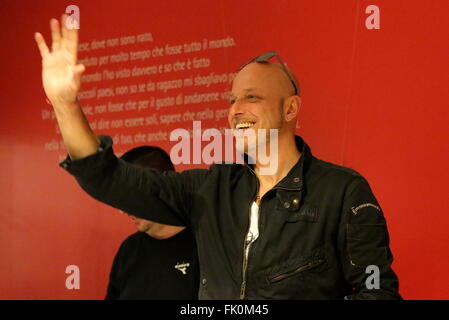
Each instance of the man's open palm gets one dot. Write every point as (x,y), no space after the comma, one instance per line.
(61,76)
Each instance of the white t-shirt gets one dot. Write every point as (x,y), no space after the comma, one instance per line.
(253,232)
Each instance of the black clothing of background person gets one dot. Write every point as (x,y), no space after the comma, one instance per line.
(151,269)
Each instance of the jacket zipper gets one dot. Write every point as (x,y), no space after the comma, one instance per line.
(305,267)
(245,241)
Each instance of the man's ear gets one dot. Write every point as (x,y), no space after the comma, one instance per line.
(292,106)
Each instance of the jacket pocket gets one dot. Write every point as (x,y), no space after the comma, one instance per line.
(367,244)
(310,265)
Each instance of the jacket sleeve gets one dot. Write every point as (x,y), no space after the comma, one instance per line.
(146,193)
(364,245)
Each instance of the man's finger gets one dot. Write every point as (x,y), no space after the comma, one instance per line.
(70,37)
(79,69)
(43,49)
(55,35)
(78,72)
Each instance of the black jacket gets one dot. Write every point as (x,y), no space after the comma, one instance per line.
(319,227)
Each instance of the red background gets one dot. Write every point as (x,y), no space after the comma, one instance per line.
(373,100)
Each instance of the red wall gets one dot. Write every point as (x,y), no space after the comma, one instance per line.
(373,100)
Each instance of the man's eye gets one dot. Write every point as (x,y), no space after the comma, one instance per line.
(232,101)
(251,97)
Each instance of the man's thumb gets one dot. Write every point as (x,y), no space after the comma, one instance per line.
(79,69)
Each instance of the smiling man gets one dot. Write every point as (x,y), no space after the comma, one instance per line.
(309,230)
(264,100)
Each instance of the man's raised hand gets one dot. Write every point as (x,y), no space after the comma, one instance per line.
(61,76)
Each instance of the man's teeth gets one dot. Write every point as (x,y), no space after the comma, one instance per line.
(244,125)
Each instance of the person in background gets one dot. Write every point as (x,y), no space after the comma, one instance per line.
(158,261)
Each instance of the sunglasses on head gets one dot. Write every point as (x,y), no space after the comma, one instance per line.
(267,56)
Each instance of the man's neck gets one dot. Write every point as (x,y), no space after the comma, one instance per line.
(287,156)
(160,231)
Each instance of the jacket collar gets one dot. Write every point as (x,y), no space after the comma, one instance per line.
(294,179)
